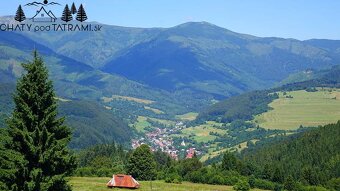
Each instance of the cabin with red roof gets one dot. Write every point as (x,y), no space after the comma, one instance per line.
(123,181)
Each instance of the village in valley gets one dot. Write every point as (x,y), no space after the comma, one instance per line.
(161,139)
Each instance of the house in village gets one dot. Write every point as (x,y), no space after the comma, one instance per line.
(43,16)
(190,153)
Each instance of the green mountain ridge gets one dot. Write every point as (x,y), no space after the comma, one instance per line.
(205,57)
(246,106)
(196,56)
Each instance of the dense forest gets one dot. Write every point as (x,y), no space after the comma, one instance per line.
(242,107)
(93,124)
(311,158)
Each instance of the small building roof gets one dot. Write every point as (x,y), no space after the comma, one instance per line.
(123,181)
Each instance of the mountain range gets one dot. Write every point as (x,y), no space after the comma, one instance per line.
(180,69)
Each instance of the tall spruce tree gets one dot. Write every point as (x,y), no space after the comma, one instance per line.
(67,15)
(81,15)
(37,136)
(20,15)
(142,164)
(73,9)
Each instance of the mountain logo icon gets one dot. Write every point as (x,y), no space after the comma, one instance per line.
(45,15)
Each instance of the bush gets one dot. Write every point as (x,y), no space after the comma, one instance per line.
(264,184)
(333,184)
(217,180)
(177,181)
(85,172)
(251,181)
(173,178)
(278,187)
(242,185)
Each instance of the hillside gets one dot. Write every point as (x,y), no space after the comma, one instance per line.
(248,105)
(200,57)
(75,80)
(205,57)
(302,108)
(90,122)
(312,157)
(93,124)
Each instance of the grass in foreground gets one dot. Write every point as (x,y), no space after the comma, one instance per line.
(99,184)
(305,108)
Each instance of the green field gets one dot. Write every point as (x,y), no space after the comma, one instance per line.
(126,98)
(188,116)
(141,124)
(99,184)
(305,108)
(201,133)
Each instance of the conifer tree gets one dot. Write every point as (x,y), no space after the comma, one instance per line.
(20,15)
(142,164)
(67,15)
(81,15)
(37,135)
(73,9)
(229,161)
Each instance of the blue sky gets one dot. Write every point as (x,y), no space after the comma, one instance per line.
(301,19)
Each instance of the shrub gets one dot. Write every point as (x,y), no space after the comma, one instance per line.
(264,184)
(216,179)
(173,178)
(333,184)
(242,185)
(251,181)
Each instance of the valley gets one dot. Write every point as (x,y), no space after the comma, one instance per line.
(168,95)
(184,93)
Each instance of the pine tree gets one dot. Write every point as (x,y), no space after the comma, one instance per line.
(20,15)
(81,15)
(38,135)
(142,164)
(229,161)
(9,160)
(73,9)
(67,15)
(289,183)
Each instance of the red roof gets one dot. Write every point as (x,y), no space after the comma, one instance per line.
(191,153)
(123,181)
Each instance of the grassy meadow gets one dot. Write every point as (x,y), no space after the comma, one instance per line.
(187,117)
(99,184)
(304,108)
(141,124)
(126,98)
(201,133)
